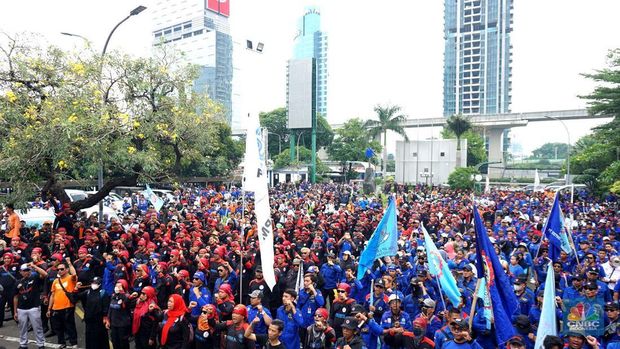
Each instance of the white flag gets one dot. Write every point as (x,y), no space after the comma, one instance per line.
(250,167)
(257,180)
(547,326)
(536,180)
(487,186)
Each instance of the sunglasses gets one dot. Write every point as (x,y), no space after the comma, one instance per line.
(220,270)
(61,269)
(317,316)
(205,312)
(342,291)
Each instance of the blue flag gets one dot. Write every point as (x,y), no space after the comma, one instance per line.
(554,231)
(503,299)
(439,268)
(153,198)
(547,326)
(370,152)
(383,242)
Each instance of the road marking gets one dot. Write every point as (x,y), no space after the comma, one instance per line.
(80,313)
(30,341)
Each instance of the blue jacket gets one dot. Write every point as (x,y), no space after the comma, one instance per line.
(332,274)
(204,299)
(292,323)
(370,333)
(308,305)
(261,327)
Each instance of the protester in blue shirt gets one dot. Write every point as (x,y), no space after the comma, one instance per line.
(256,309)
(291,316)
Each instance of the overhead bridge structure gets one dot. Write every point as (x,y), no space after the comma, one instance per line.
(494,126)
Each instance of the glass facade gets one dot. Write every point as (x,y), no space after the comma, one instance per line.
(477,57)
(311,42)
(204,37)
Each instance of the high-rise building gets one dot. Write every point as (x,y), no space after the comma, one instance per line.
(200,29)
(477,57)
(311,42)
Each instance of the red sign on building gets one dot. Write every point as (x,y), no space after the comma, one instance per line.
(219,6)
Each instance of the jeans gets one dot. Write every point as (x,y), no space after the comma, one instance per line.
(30,316)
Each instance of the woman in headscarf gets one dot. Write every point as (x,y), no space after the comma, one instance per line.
(119,315)
(146,317)
(175,331)
(204,335)
(225,302)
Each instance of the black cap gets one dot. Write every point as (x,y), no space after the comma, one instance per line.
(578,277)
(593,270)
(379,282)
(575,334)
(96,280)
(517,340)
(522,321)
(468,267)
(590,286)
(350,322)
(460,324)
(612,306)
(357,308)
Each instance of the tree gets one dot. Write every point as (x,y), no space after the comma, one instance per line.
(389,120)
(305,157)
(63,114)
(551,151)
(461,178)
(595,155)
(458,124)
(350,143)
(476,151)
(276,122)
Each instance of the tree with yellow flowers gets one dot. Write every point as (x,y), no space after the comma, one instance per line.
(64,113)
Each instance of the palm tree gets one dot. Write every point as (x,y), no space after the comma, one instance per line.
(389,120)
(458,124)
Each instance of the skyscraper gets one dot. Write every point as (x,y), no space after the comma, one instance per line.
(200,29)
(477,57)
(311,42)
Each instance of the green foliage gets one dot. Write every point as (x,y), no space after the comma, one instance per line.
(476,152)
(458,124)
(548,151)
(62,114)
(460,178)
(595,156)
(351,142)
(276,122)
(389,119)
(305,158)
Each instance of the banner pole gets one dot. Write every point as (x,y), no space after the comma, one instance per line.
(473,304)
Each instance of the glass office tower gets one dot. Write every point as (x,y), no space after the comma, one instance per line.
(200,29)
(311,42)
(477,57)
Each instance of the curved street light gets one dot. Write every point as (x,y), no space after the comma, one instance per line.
(567,148)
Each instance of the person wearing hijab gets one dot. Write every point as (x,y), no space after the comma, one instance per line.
(146,317)
(95,303)
(8,277)
(199,293)
(225,302)
(175,332)
(119,315)
(142,278)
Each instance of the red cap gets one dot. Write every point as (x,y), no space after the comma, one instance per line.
(322,312)
(37,250)
(240,309)
(420,322)
(345,287)
(57,256)
(83,249)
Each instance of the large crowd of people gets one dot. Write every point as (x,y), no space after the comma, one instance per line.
(190,275)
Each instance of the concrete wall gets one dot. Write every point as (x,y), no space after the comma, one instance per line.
(416,160)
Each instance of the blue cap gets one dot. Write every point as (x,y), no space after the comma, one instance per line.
(199,275)
(155,256)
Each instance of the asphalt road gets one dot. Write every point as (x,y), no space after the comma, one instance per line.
(9,335)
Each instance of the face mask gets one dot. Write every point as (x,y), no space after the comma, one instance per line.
(518,287)
(118,289)
(94,286)
(418,332)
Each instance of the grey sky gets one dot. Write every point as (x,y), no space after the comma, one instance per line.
(388,51)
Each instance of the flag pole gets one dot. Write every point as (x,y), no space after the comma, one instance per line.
(372,292)
(441,293)
(241,243)
(473,303)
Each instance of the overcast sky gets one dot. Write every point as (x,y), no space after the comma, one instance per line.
(387,52)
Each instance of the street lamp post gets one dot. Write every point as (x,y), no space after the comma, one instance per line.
(567,147)
(279,141)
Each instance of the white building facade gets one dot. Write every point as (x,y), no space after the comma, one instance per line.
(428,161)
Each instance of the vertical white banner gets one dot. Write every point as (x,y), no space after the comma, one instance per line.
(257,181)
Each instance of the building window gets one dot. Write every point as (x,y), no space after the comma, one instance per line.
(198,32)
(415,155)
(166,32)
(442,154)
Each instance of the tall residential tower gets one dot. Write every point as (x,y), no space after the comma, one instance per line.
(477,57)
(200,29)
(311,42)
